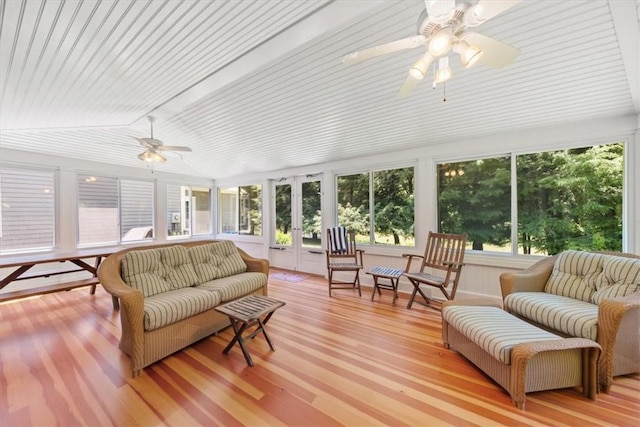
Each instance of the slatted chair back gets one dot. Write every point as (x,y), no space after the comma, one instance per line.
(343,256)
(341,242)
(444,250)
(443,258)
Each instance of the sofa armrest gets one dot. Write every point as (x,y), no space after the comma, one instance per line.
(258,265)
(533,279)
(131,310)
(617,316)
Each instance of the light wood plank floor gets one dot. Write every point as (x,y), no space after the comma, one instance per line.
(338,361)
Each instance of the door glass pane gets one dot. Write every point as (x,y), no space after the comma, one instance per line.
(311,214)
(353,204)
(136,210)
(283,215)
(97,210)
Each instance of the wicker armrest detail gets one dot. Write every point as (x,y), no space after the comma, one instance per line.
(611,312)
(522,353)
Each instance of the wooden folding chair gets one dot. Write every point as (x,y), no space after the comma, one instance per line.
(342,255)
(441,266)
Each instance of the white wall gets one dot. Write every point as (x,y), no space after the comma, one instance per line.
(480,275)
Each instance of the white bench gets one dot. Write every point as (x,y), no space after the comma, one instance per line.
(517,355)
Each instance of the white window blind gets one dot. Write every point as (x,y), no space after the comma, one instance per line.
(27,215)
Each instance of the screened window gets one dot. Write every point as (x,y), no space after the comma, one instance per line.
(27,213)
(378,206)
(241,210)
(188,210)
(111,210)
(566,199)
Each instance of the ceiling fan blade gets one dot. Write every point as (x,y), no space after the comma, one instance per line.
(410,83)
(485,10)
(372,52)
(495,54)
(172,148)
(143,142)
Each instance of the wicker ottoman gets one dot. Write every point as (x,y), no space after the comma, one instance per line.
(517,355)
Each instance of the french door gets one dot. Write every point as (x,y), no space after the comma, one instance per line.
(296,240)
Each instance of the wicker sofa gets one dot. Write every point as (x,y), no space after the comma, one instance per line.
(585,295)
(168,293)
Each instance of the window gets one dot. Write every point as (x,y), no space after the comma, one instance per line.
(112,210)
(241,210)
(27,213)
(188,210)
(566,199)
(378,206)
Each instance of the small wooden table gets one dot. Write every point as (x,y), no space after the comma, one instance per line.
(246,312)
(393,274)
(25,262)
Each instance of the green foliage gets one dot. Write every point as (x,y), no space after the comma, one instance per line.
(567,199)
(353,218)
(282,238)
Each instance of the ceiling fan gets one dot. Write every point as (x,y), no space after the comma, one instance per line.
(444,28)
(153,146)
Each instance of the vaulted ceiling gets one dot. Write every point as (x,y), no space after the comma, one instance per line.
(253,86)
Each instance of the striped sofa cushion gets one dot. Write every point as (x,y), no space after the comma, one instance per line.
(171,306)
(216,260)
(574,275)
(179,271)
(615,291)
(144,270)
(493,329)
(568,315)
(232,287)
(618,271)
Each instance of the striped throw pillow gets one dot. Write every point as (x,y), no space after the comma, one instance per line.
(143,270)
(179,271)
(574,275)
(618,271)
(216,260)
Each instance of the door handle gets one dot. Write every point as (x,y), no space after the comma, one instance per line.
(316,252)
(277,248)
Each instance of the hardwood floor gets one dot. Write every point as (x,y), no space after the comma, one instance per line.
(338,361)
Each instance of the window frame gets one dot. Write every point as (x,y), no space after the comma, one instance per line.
(238,235)
(190,214)
(513,258)
(118,179)
(371,200)
(55,172)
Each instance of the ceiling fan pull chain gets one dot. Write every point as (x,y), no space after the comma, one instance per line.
(444,92)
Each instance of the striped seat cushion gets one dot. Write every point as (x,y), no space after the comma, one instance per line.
(493,329)
(232,287)
(172,306)
(568,315)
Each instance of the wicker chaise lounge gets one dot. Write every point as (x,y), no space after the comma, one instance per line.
(517,355)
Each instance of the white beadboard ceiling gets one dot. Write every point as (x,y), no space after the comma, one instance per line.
(254,86)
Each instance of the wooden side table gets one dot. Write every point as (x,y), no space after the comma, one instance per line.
(392,274)
(246,312)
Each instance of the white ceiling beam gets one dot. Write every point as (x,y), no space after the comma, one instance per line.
(327,19)
(625,20)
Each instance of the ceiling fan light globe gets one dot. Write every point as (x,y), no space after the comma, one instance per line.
(470,56)
(443,75)
(419,68)
(440,44)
